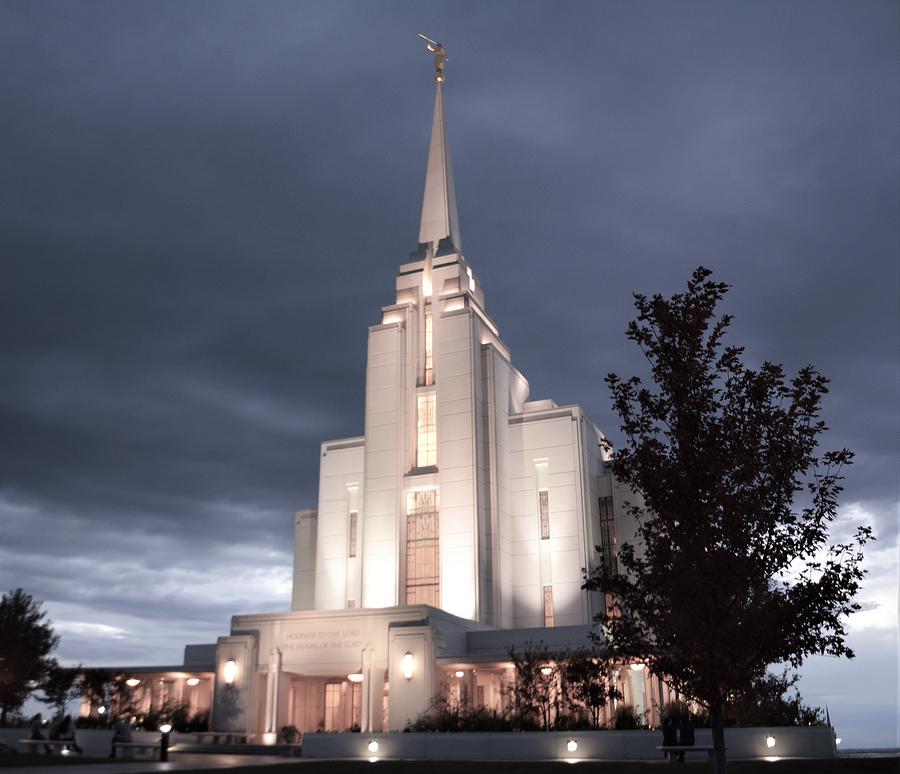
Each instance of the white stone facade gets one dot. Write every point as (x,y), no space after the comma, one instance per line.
(457,525)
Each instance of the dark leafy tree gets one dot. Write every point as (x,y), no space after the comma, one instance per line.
(97,688)
(734,569)
(536,679)
(26,641)
(773,700)
(59,686)
(588,681)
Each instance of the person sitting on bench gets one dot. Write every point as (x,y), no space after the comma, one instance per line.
(67,734)
(121,734)
(685,738)
(670,737)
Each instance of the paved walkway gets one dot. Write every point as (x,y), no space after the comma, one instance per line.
(176,762)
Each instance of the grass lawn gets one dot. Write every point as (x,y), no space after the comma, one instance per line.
(836,766)
(845,766)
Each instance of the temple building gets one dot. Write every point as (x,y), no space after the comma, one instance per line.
(457,525)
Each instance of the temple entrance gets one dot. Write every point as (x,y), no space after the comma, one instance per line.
(324,704)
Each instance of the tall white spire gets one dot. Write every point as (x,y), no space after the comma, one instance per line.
(439,217)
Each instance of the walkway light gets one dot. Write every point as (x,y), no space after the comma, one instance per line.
(165,728)
(101,710)
(408,665)
(770,741)
(373,746)
(571,745)
(230,671)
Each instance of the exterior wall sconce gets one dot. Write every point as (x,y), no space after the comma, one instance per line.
(637,667)
(230,671)
(372,746)
(132,682)
(770,741)
(355,677)
(101,710)
(571,745)
(459,673)
(408,665)
(546,671)
(192,681)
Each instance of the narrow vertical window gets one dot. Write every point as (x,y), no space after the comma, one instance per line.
(479,695)
(429,347)
(544,506)
(352,528)
(426,424)
(608,535)
(422,548)
(548,605)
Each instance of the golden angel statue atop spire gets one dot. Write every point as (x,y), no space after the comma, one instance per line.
(440,56)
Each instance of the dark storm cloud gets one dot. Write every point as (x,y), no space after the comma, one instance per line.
(204,205)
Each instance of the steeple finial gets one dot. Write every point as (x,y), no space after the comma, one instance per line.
(440,56)
(439,227)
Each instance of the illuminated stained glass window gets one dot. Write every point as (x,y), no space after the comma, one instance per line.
(608,534)
(353,529)
(548,605)
(429,347)
(422,548)
(544,506)
(426,425)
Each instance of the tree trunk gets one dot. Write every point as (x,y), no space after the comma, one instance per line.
(717,720)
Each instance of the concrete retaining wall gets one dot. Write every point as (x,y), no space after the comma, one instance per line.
(790,742)
(97,743)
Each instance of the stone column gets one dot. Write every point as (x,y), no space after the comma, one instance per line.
(273,687)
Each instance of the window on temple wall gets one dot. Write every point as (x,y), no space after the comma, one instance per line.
(332,706)
(429,347)
(544,507)
(422,548)
(352,528)
(608,534)
(355,705)
(548,605)
(426,425)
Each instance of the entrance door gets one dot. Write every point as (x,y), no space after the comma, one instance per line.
(333,707)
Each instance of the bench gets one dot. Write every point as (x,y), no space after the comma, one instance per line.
(56,744)
(154,746)
(686,748)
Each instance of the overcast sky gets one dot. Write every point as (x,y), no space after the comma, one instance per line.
(203,205)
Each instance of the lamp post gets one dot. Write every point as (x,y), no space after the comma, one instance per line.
(165,729)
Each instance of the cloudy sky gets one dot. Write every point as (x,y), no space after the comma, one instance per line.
(204,204)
